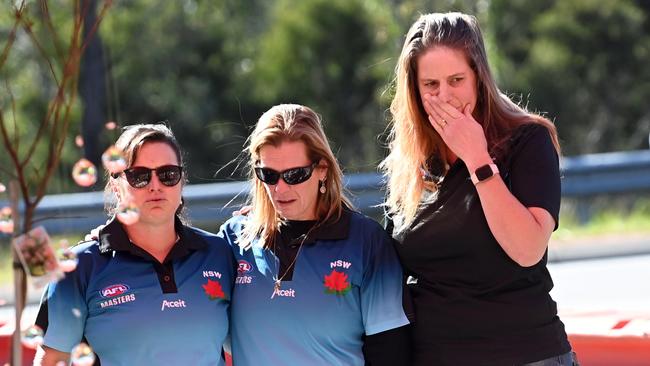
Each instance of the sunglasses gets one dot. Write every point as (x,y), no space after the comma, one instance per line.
(139,177)
(290,176)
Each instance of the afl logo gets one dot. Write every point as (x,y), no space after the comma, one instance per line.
(244,267)
(114,290)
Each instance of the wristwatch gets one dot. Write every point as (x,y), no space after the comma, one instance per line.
(484,172)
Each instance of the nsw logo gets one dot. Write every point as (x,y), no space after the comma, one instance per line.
(243,267)
(114,290)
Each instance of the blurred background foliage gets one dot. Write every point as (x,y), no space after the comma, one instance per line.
(211,67)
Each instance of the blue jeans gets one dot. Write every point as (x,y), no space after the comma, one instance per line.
(567,359)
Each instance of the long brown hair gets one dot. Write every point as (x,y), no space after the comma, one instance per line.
(412,140)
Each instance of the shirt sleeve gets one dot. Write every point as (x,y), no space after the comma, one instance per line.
(535,171)
(381,288)
(66,309)
(388,348)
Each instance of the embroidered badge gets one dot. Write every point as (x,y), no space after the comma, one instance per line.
(213,290)
(243,267)
(115,295)
(337,283)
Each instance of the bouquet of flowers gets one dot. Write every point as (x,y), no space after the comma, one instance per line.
(37,256)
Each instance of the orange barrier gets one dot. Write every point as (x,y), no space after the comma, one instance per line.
(5,352)
(6,334)
(593,350)
(28,354)
(613,342)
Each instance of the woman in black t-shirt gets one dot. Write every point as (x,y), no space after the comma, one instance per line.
(474,195)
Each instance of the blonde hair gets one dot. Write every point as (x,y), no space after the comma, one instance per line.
(412,140)
(290,122)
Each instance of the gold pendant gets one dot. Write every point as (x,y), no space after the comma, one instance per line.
(276,288)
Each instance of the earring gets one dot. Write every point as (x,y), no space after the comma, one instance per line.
(321,186)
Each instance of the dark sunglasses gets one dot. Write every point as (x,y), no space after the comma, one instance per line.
(290,176)
(139,177)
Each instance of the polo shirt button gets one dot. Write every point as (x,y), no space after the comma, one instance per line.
(167,278)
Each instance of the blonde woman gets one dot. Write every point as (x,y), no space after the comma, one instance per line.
(474,195)
(317,284)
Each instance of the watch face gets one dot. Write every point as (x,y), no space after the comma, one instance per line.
(483,172)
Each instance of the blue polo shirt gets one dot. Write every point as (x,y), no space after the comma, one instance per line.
(134,310)
(347,282)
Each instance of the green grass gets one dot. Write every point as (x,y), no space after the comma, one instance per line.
(614,221)
(6,274)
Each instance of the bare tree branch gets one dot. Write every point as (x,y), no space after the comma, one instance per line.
(57,118)
(47,19)
(35,174)
(8,172)
(39,134)
(12,101)
(28,29)
(56,121)
(71,67)
(102,13)
(11,39)
(44,123)
(13,155)
(5,139)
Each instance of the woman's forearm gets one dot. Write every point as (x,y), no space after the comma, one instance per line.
(523,232)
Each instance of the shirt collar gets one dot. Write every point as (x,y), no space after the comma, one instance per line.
(333,229)
(113,237)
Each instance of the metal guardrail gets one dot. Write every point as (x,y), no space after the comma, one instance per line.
(608,173)
(211,204)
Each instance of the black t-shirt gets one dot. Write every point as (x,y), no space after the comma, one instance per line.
(473,304)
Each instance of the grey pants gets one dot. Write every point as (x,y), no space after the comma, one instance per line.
(567,359)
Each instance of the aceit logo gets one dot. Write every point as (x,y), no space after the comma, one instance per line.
(244,267)
(172,304)
(114,290)
(284,293)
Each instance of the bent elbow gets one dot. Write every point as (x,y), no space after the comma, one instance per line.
(527,262)
(527,250)
(529,258)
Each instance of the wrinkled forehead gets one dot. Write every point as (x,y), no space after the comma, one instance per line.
(155,153)
(286,155)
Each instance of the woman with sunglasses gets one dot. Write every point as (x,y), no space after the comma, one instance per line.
(317,283)
(154,292)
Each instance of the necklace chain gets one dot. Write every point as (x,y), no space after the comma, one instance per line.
(277,279)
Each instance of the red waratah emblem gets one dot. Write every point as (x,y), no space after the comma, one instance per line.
(213,290)
(337,283)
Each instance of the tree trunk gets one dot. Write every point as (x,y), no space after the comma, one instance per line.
(20,279)
(92,88)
